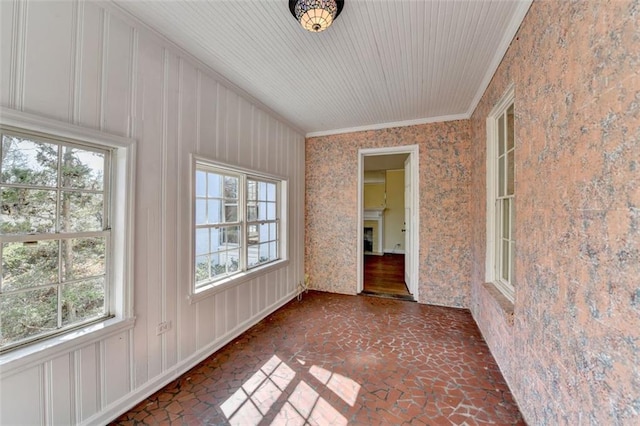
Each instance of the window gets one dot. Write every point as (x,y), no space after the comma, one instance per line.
(237,222)
(501,196)
(55,236)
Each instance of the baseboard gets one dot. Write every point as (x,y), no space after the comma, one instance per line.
(392,251)
(133,398)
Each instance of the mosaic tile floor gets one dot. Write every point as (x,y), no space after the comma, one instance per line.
(336,360)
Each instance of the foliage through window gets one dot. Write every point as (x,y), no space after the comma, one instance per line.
(236,223)
(54,236)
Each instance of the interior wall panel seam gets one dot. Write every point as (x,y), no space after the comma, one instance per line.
(164,206)
(76,61)
(104,66)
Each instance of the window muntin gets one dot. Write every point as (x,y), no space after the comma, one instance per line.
(237,223)
(54,236)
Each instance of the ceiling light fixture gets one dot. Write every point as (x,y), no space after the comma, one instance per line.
(315,15)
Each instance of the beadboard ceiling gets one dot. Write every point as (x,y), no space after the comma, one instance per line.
(382,63)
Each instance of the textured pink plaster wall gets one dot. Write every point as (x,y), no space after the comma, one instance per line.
(572,352)
(331,208)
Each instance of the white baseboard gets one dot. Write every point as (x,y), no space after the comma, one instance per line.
(133,398)
(392,251)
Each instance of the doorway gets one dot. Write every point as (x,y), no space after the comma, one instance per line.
(388,247)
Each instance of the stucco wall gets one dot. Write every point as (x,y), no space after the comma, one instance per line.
(572,354)
(331,208)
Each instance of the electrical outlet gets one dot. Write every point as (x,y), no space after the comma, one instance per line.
(163,327)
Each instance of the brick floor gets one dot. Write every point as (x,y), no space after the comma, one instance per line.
(335,360)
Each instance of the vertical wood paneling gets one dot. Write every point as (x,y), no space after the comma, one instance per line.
(186,321)
(60,393)
(116,74)
(220,318)
(21,398)
(89,74)
(48,59)
(208,116)
(116,355)
(8,17)
(170,205)
(87,382)
(112,76)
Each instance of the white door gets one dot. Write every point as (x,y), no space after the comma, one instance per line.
(408,232)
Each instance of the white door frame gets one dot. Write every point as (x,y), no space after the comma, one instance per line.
(413,152)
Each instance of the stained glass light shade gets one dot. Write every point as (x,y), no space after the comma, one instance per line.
(315,15)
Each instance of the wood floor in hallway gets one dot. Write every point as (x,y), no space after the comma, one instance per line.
(384,275)
(334,359)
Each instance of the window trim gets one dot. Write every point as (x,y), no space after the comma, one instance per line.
(247,274)
(491,257)
(121,252)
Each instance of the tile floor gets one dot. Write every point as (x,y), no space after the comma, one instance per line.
(335,360)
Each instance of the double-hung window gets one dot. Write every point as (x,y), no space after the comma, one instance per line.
(237,222)
(501,196)
(54,236)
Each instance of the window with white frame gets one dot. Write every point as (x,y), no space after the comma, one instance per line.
(501,196)
(237,222)
(56,237)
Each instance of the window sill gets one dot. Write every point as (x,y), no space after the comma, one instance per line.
(235,280)
(50,348)
(504,304)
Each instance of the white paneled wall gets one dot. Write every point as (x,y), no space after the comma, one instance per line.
(90,64)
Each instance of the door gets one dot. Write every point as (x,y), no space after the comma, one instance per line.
(408,231)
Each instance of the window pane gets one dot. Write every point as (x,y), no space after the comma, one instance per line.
(214,212)
(231,235)
(202,241)
(262,191)
(271,192)
(505,260)
(231,187)
(28,265)
(28,162)
(252,234)
(512,221)
(510,176)
(273,231)
(252,211)
(264,232)
(253,253)
(214,185)
(201,212)
(510,129)
(231,213)
(81,212)
(273,251)
(264,253)
(83,257)
(82,301)
(233,260)
(82,169)
(217,265)
(202,268)
(501,135)
(252,190)
(28,314)
(501,183)
(27,211)
(201,183)
(262,210)
(217,241)
(271,211)
(506,225)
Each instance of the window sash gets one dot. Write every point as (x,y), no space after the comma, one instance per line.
(248,200)
(60,236)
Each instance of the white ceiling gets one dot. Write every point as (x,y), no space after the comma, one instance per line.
(382,63)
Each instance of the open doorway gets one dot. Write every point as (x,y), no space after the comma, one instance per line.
(387,192)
